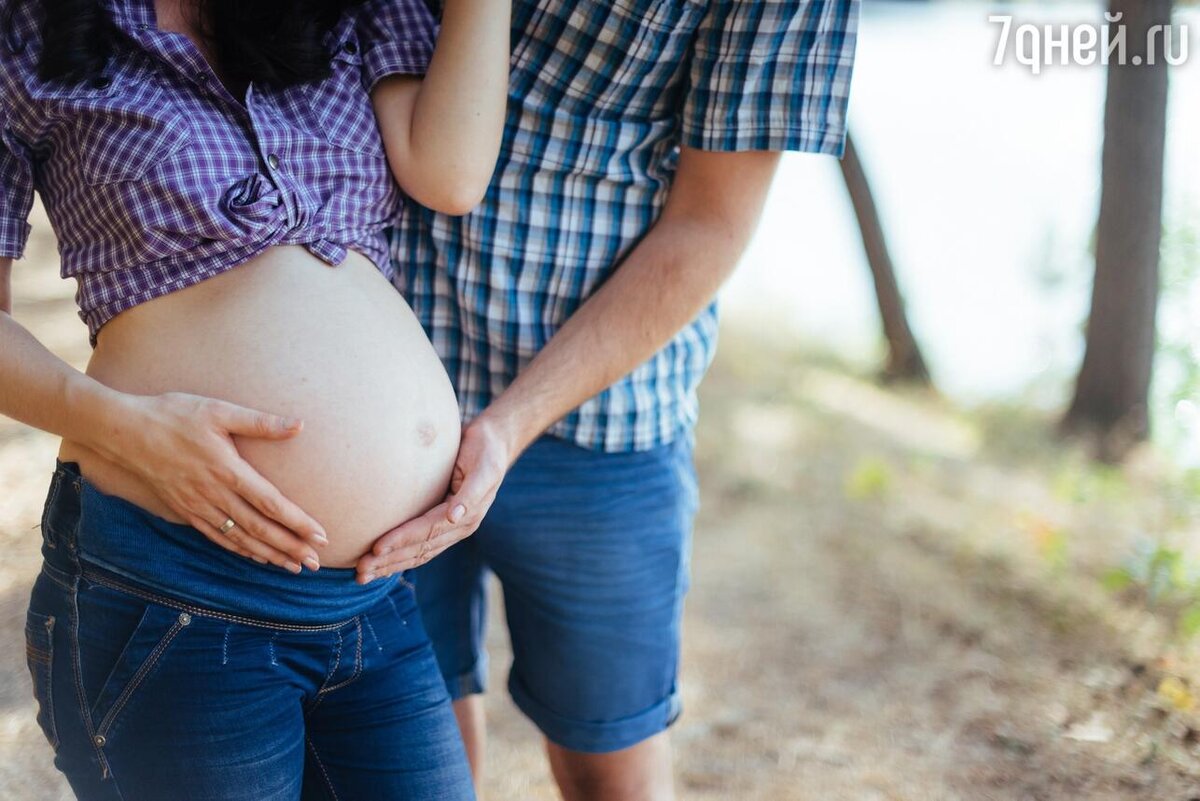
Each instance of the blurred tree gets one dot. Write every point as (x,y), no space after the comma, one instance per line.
(905,362)
(1111,402)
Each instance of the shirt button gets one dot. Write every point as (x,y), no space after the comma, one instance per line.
(350,47)
(101,82)
(273,161)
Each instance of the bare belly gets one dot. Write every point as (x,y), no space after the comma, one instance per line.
(338,348)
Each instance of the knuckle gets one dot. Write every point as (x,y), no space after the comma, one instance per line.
(226,476)
(237,481)
(206,408)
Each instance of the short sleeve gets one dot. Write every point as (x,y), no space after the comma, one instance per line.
(771,75)
(16,191)
(396,37)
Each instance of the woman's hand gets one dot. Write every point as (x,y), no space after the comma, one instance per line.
(182,447)
(484,457)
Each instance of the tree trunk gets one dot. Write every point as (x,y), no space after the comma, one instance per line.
(1112,392)
(905,362)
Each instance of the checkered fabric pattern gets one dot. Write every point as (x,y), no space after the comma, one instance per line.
(602,94)
(155,177)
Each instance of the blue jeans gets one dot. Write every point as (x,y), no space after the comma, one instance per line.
(158,679)
(592,551)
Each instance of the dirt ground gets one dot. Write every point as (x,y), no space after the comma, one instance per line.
(870,619)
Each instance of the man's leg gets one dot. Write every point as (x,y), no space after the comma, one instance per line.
(592,552)
(641,772)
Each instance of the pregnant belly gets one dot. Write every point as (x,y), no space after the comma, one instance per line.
(336,347)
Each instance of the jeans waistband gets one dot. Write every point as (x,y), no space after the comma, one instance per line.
(81,523)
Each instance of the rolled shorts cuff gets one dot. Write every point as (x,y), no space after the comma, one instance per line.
(472,681)
(597,737)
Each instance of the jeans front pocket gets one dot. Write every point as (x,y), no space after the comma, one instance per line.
(39,655)
(113,679)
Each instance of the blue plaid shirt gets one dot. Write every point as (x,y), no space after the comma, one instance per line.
(602,94)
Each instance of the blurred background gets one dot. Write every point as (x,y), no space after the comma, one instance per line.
(950,451)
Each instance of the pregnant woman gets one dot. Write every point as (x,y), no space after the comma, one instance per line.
(219,174)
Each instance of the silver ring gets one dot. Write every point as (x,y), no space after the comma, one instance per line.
(228,526)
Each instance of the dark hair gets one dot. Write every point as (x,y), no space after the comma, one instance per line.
(273,43)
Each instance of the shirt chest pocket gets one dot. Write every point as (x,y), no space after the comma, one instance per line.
(116,127)
(338,109)
(621,56)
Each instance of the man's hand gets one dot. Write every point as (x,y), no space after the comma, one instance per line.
(672,274)
(483,459)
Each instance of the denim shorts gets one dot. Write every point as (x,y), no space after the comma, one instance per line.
(592,552)
(158,678)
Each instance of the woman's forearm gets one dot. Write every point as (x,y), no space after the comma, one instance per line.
(180,445)
(39,389)
(442,133)
(6,286)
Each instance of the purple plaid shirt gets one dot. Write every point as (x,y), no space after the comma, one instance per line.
(155,177)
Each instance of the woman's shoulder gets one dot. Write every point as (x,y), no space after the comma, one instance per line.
(20,32)
(20,41)
(18,18)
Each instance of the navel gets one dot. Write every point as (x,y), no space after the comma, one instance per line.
(426,433)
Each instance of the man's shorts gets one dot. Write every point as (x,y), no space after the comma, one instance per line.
(592,552)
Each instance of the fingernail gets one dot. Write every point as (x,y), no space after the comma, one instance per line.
(369,577)
(457,513)
(312,563)
(291,423)
(293,567)
(320,538)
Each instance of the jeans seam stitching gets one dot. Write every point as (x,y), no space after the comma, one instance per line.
(32,654)
(337,662)
(321,765)
(357,665)
(109,719)
(84,710)
(51,502)
(184,606)
(57,576)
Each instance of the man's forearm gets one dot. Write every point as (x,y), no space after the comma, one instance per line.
(673,273)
